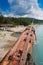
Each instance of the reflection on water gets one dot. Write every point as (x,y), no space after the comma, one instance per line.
(38,46)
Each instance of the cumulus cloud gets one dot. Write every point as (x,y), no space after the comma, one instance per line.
(26,8)
(10,1)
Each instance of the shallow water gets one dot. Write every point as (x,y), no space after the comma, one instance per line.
(16,34)
(37,54)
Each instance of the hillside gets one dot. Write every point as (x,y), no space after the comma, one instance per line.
(19,21)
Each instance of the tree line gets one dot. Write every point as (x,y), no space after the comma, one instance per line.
(19,21)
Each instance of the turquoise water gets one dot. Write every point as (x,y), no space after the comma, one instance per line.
(38,46)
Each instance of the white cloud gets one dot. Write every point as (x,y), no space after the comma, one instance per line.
(9,15)
(23,4)
(30,7)
(10,1)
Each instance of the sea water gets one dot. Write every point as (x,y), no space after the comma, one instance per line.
(37,54)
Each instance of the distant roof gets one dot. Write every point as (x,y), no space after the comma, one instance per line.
(8,25)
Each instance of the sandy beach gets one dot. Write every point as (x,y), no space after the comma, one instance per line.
(7,40)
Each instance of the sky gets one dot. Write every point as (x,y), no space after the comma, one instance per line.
(22,8)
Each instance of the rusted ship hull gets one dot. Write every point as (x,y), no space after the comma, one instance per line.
(18,52)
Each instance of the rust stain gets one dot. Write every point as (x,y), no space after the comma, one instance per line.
(14,56)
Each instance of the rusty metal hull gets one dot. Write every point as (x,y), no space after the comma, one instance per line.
(13,57)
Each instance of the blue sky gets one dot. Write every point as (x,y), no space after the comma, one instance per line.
(4,5)
(40,2)
(22,8)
